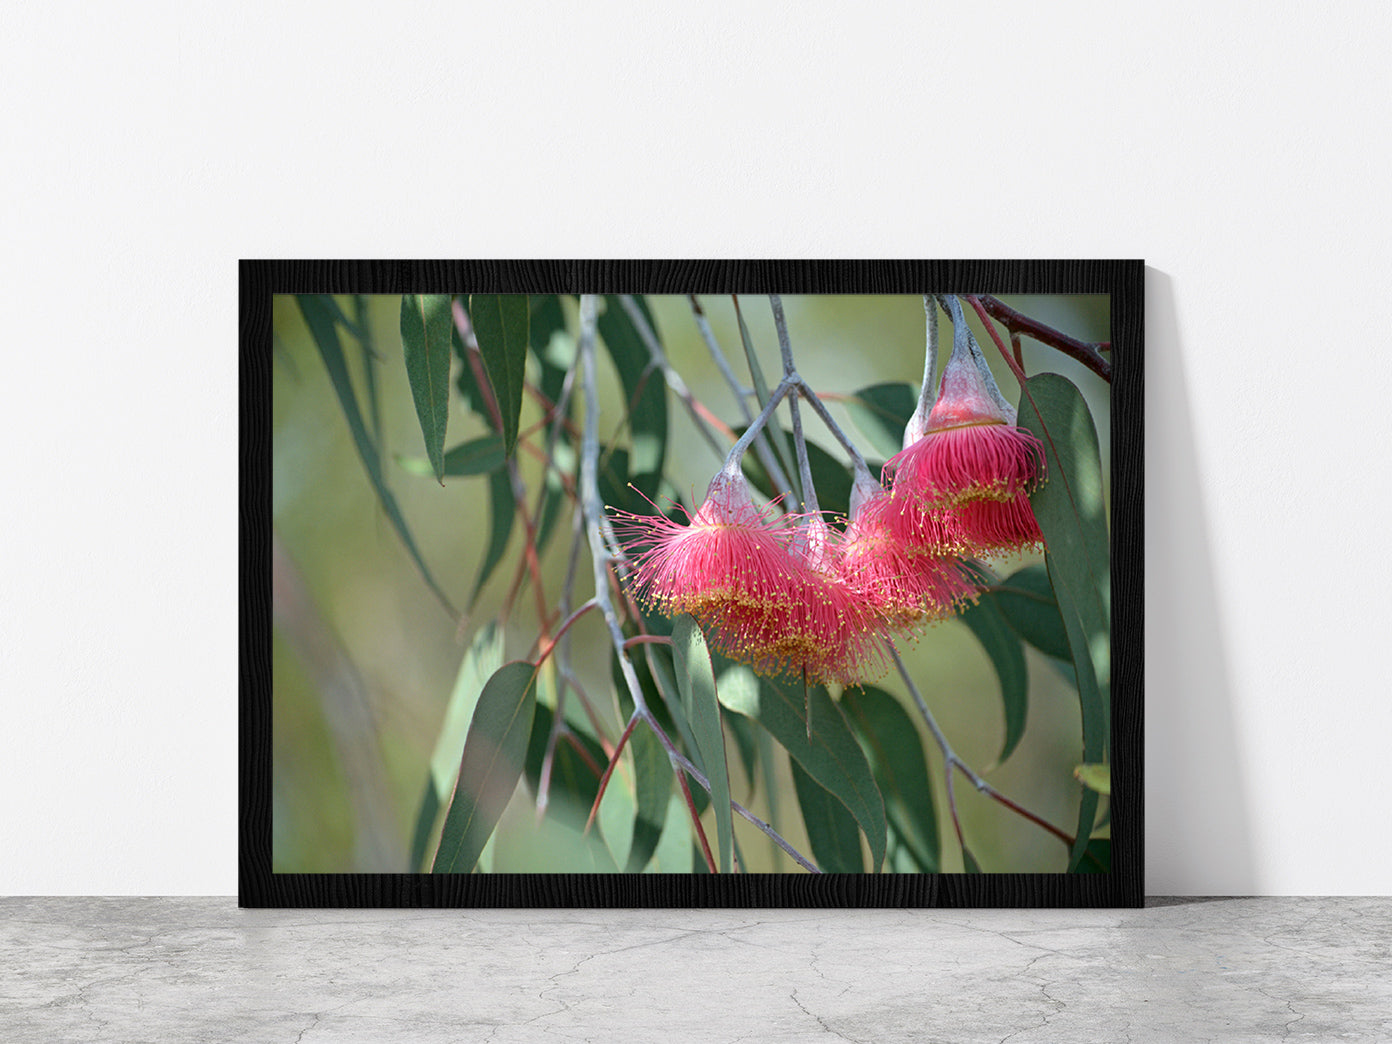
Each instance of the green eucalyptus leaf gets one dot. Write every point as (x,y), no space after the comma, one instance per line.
(502,508)
(476,457)
(831,756)
(500,326)
(653,778)
(321,327)
(426,329)
(1071,511)
(1098,857)
(831,829)
(645,391)
(696,680)
(894,749)
(482,659)
(494,754)
(1003,646)
(881,412)
(1027,599)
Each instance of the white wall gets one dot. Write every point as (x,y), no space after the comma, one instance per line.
(1241,149)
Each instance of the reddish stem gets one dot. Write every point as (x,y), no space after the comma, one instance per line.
(1017,322)
(646,639)
(696,821)
(609,771)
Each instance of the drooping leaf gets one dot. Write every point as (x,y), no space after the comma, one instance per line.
(969,861)
(494,755)
(471,379)
(653,778)
(746,742)
(551,346)
(1098,857)
(832,756)
(1002,645)
(1072,516)
(475,457)
(645,391)
(482,659)
(831,478)
(696,680)
(881,412)
(895,750)
(321,327)
(1094,777)
(500,325)
(1027,600)
(1094,720)
(782,447)
(831,829)
(501,510)
(426,327)
(362,330)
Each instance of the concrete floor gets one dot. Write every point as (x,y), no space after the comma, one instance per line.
(173,970)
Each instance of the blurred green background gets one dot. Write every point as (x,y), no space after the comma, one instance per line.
(364,657)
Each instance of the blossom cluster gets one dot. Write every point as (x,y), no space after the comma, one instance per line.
(791,594)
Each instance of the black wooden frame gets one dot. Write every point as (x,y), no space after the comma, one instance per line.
(258,886)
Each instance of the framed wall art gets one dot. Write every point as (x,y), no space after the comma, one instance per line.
(691,583)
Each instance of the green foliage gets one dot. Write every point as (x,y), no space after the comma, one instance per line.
(696,680)
(882,412)
(831,755)
(426,329)
(830,826)
(494,754)
(864,768)
(1002,645)
(1027,599)
(500,327)
(481,661)
(892,744)
(644,391)
(1072,516)
(319,316)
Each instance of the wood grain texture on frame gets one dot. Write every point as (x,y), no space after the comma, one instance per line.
(258,886)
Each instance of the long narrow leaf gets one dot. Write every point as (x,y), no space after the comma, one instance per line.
(321,327)
(501,510)
(495,752)
(500,326)
(1007,654)
(831,828)
(696,680)
(426,326)
(1027,599)
(1072,516)
(645,392)
(832,756)
(652,782)
(895,751)
(476,457)
(483,658)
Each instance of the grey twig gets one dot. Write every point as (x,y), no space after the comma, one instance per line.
(600,551)
(669,374)
(741,393)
